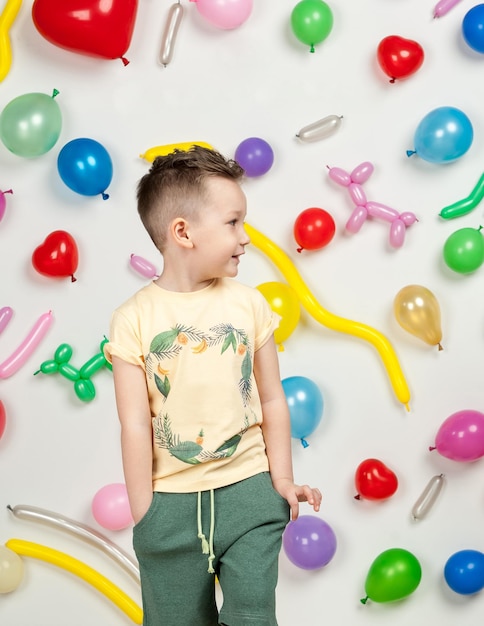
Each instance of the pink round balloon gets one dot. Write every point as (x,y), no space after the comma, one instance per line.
(110,507)
(461,436)
(3,419)
(226,14)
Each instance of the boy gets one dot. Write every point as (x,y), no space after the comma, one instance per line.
(205,428)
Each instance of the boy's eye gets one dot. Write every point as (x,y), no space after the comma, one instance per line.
(233,222)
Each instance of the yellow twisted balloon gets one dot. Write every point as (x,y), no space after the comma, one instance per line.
(87,573)
(312,306)
(7,18)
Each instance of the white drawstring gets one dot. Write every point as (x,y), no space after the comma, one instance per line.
(207,546)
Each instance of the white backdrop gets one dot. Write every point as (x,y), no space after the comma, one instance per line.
(222,87)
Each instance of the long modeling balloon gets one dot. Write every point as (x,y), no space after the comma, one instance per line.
(6,313)
(444,6)
(309,302)
(151,154)
(173,21)
(320,129)
(465,206)
(15,361)
(427,498)
(69,563)
(33,513)
(7,18)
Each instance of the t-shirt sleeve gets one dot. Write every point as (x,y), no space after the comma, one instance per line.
(267,320)
(124,341)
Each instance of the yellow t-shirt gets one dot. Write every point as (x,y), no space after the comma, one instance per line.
(197,350)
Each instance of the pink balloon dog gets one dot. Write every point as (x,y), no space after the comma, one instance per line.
(364,208)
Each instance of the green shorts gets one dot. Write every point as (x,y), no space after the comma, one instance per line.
(247,520)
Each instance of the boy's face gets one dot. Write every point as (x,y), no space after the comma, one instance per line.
(218,234)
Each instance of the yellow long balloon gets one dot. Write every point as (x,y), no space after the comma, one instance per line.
(151,154)
(90,575)
(340,324)
(7,18)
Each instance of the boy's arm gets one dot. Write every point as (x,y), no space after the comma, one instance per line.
(276,428)
(136,434)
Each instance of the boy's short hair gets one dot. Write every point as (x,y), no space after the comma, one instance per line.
(175,187)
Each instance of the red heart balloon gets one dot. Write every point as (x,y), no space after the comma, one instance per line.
(399,57)
(374,480)
(93,27)
(57,256)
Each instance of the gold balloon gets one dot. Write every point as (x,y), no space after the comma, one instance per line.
(418,312)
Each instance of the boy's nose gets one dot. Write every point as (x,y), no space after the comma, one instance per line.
(245,238)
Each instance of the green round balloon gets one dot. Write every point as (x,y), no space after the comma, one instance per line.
(393,575)
(31,124)
(464,250)
(311,21)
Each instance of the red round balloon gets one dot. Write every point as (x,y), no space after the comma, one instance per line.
(57,256)
(399,57)
(374,480)
(314,228)
(92,27)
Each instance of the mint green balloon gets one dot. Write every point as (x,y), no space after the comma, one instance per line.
(393,575)
(464,250)
(311,21)
(30,125)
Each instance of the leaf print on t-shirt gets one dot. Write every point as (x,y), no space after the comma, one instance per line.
(191,451)
(170,343)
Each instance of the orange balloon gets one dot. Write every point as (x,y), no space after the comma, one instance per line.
(417,311)
(283,300)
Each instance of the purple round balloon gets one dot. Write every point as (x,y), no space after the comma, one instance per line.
(461,436)
(255,155)
(309,542)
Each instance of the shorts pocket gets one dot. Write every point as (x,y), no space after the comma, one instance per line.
(148,515)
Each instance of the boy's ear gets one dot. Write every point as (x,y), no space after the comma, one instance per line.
(180,232)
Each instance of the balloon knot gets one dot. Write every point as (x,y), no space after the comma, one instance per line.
(73,278)
(300,250)
(392,80)
(364,600)
(305,444)
(125,61)
(357,497)
(105,196)
(410,152)
(55,93)
(440,347)
(431,448)
(312,48)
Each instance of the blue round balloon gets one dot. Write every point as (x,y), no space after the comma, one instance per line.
(305,403)
(85,167)
(464,571)
(444,135)
(473,28)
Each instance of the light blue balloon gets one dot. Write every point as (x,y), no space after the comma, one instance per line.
(306,405)
(85,167)
(444,135)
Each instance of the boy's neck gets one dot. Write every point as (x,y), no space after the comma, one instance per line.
(181,283)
